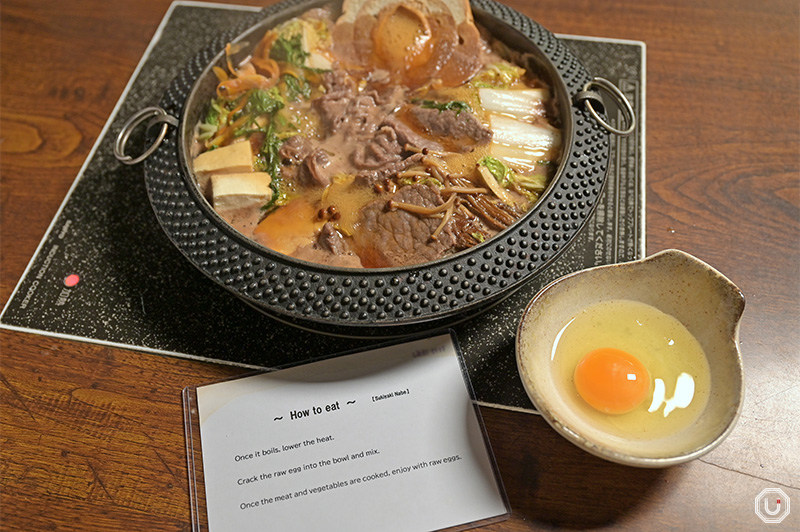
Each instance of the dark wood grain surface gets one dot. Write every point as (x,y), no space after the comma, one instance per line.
(92,437)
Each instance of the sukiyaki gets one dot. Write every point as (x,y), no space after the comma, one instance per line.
(394,134)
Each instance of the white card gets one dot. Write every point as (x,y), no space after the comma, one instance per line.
(385,440)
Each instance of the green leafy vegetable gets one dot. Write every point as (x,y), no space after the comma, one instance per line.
(534,183)
(206,131)
(213,114)
(264,102)
(455,105)
(498,76)
(289,50)
(268,160)
(498,169)
(296,88)
(427,180)
(215,117)
(259,103)
(529,185)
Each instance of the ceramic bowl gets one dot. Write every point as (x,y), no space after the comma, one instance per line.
(708,304)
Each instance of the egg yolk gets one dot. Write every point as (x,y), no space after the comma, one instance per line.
(611,380)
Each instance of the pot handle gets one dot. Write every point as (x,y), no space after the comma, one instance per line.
(156,115)
(589,97)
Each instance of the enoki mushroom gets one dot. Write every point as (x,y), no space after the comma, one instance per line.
(495,213)
(419,209)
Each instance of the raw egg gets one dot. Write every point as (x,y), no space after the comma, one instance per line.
(631,370)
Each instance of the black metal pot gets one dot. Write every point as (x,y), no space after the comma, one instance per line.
(381,302)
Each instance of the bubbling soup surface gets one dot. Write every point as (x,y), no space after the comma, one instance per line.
(383,138)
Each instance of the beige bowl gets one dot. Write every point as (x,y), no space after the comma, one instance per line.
(709,306)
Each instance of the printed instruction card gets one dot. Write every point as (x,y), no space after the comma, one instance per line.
(388,439)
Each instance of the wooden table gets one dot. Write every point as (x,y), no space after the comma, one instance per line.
(92,437)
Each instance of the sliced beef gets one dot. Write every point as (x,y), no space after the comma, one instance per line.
(356,114)
(406,135)
(391,98)
(340,89)
(387,171)
(313,171)
(456,126)
(295,149)
(338,81)
(329,248)
(344,109)
(332,109)
(391,238)
(379,151)
(363,117)
(329,239)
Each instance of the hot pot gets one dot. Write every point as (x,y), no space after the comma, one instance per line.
(390,301)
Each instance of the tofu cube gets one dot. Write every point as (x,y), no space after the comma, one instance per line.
(231,159)
(310,42)
(237,191)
